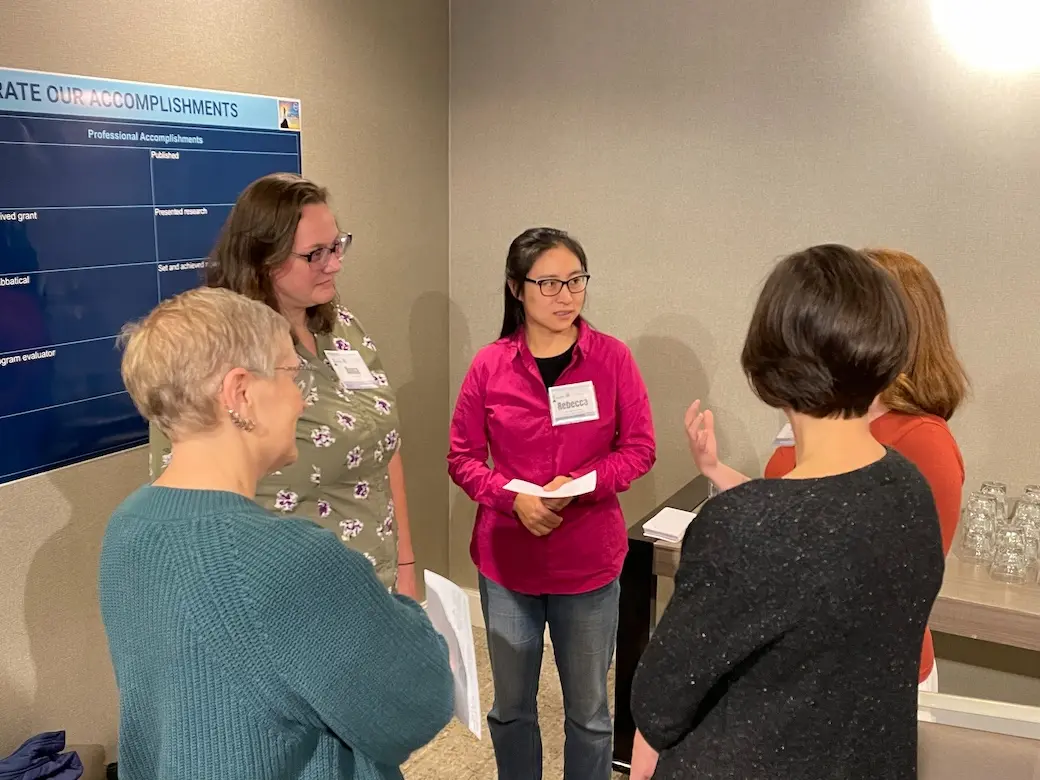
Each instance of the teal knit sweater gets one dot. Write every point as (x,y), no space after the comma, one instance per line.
(252,647)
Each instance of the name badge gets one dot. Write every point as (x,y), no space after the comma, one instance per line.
(351,369)
(575,403)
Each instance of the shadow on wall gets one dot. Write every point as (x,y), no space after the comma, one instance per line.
(66,634)
(463,511)
(678,359)
(463,516)
(35,510)
(675,375)
(424,432)
(75,684)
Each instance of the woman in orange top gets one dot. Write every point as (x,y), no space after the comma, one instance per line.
(910,416)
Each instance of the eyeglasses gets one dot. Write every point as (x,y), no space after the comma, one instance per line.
(323,254)
(302,374)
(551,287)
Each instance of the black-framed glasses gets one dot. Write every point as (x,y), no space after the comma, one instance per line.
(323,254)
(551,287)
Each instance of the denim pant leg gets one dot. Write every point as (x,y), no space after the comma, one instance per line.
(584,633)
(515,630)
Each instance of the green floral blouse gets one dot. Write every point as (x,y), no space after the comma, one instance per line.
(346,439)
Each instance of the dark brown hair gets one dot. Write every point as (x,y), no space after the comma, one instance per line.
(934,380)
(830,331)
(258,237)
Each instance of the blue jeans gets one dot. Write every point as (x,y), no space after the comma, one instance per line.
(584,631)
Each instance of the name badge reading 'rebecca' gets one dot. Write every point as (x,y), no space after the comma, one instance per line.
(351,369)
(573,403)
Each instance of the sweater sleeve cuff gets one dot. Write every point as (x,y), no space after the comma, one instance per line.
(501,499)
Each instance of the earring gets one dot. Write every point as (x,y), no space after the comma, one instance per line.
(236,418)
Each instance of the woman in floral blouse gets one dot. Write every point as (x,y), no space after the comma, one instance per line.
(281,245)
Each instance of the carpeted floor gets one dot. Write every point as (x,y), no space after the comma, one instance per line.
(457,755)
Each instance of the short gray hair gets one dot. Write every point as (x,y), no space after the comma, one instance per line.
(175,359)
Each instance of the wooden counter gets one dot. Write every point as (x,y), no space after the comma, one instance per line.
(970,604)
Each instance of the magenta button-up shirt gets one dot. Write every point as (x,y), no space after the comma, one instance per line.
(503,411)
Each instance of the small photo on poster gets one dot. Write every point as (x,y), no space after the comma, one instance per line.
(289,114)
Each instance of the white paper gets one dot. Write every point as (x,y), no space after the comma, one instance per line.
(785,438)
(448,608)
(669,524)
(576,487)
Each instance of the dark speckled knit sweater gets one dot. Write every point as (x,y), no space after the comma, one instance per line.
(791,646)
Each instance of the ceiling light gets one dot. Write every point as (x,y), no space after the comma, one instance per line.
(996,35)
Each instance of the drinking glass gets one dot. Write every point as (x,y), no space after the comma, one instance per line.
(1010,562)
(999,491)
(980,512)
(976,546)
(1027,517)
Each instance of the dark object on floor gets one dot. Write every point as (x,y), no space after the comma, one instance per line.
(112,772)
(41,758)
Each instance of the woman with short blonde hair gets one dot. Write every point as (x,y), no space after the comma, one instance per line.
(246,644)
(174,361)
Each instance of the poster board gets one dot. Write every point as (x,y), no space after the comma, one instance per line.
(112,194)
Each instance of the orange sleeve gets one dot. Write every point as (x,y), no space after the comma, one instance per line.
(931,447)
(781,463)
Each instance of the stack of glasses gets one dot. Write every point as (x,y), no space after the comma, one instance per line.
(1007,542)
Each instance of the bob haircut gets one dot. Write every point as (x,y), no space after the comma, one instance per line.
(830,331)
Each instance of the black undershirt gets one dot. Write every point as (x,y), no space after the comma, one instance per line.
(551,367)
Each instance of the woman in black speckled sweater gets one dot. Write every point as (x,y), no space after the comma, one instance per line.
(790,649)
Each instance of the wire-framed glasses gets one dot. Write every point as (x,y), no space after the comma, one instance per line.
(323,254)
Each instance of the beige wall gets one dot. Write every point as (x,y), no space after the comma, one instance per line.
(373,79)
(688,145)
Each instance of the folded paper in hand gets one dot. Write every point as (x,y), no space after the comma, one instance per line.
(576,487)
(668,525)
(448,608)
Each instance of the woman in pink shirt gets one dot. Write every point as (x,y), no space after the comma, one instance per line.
(550,401)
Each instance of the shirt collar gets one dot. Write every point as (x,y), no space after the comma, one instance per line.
(580,346)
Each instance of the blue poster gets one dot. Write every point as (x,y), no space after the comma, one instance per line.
(112,194)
